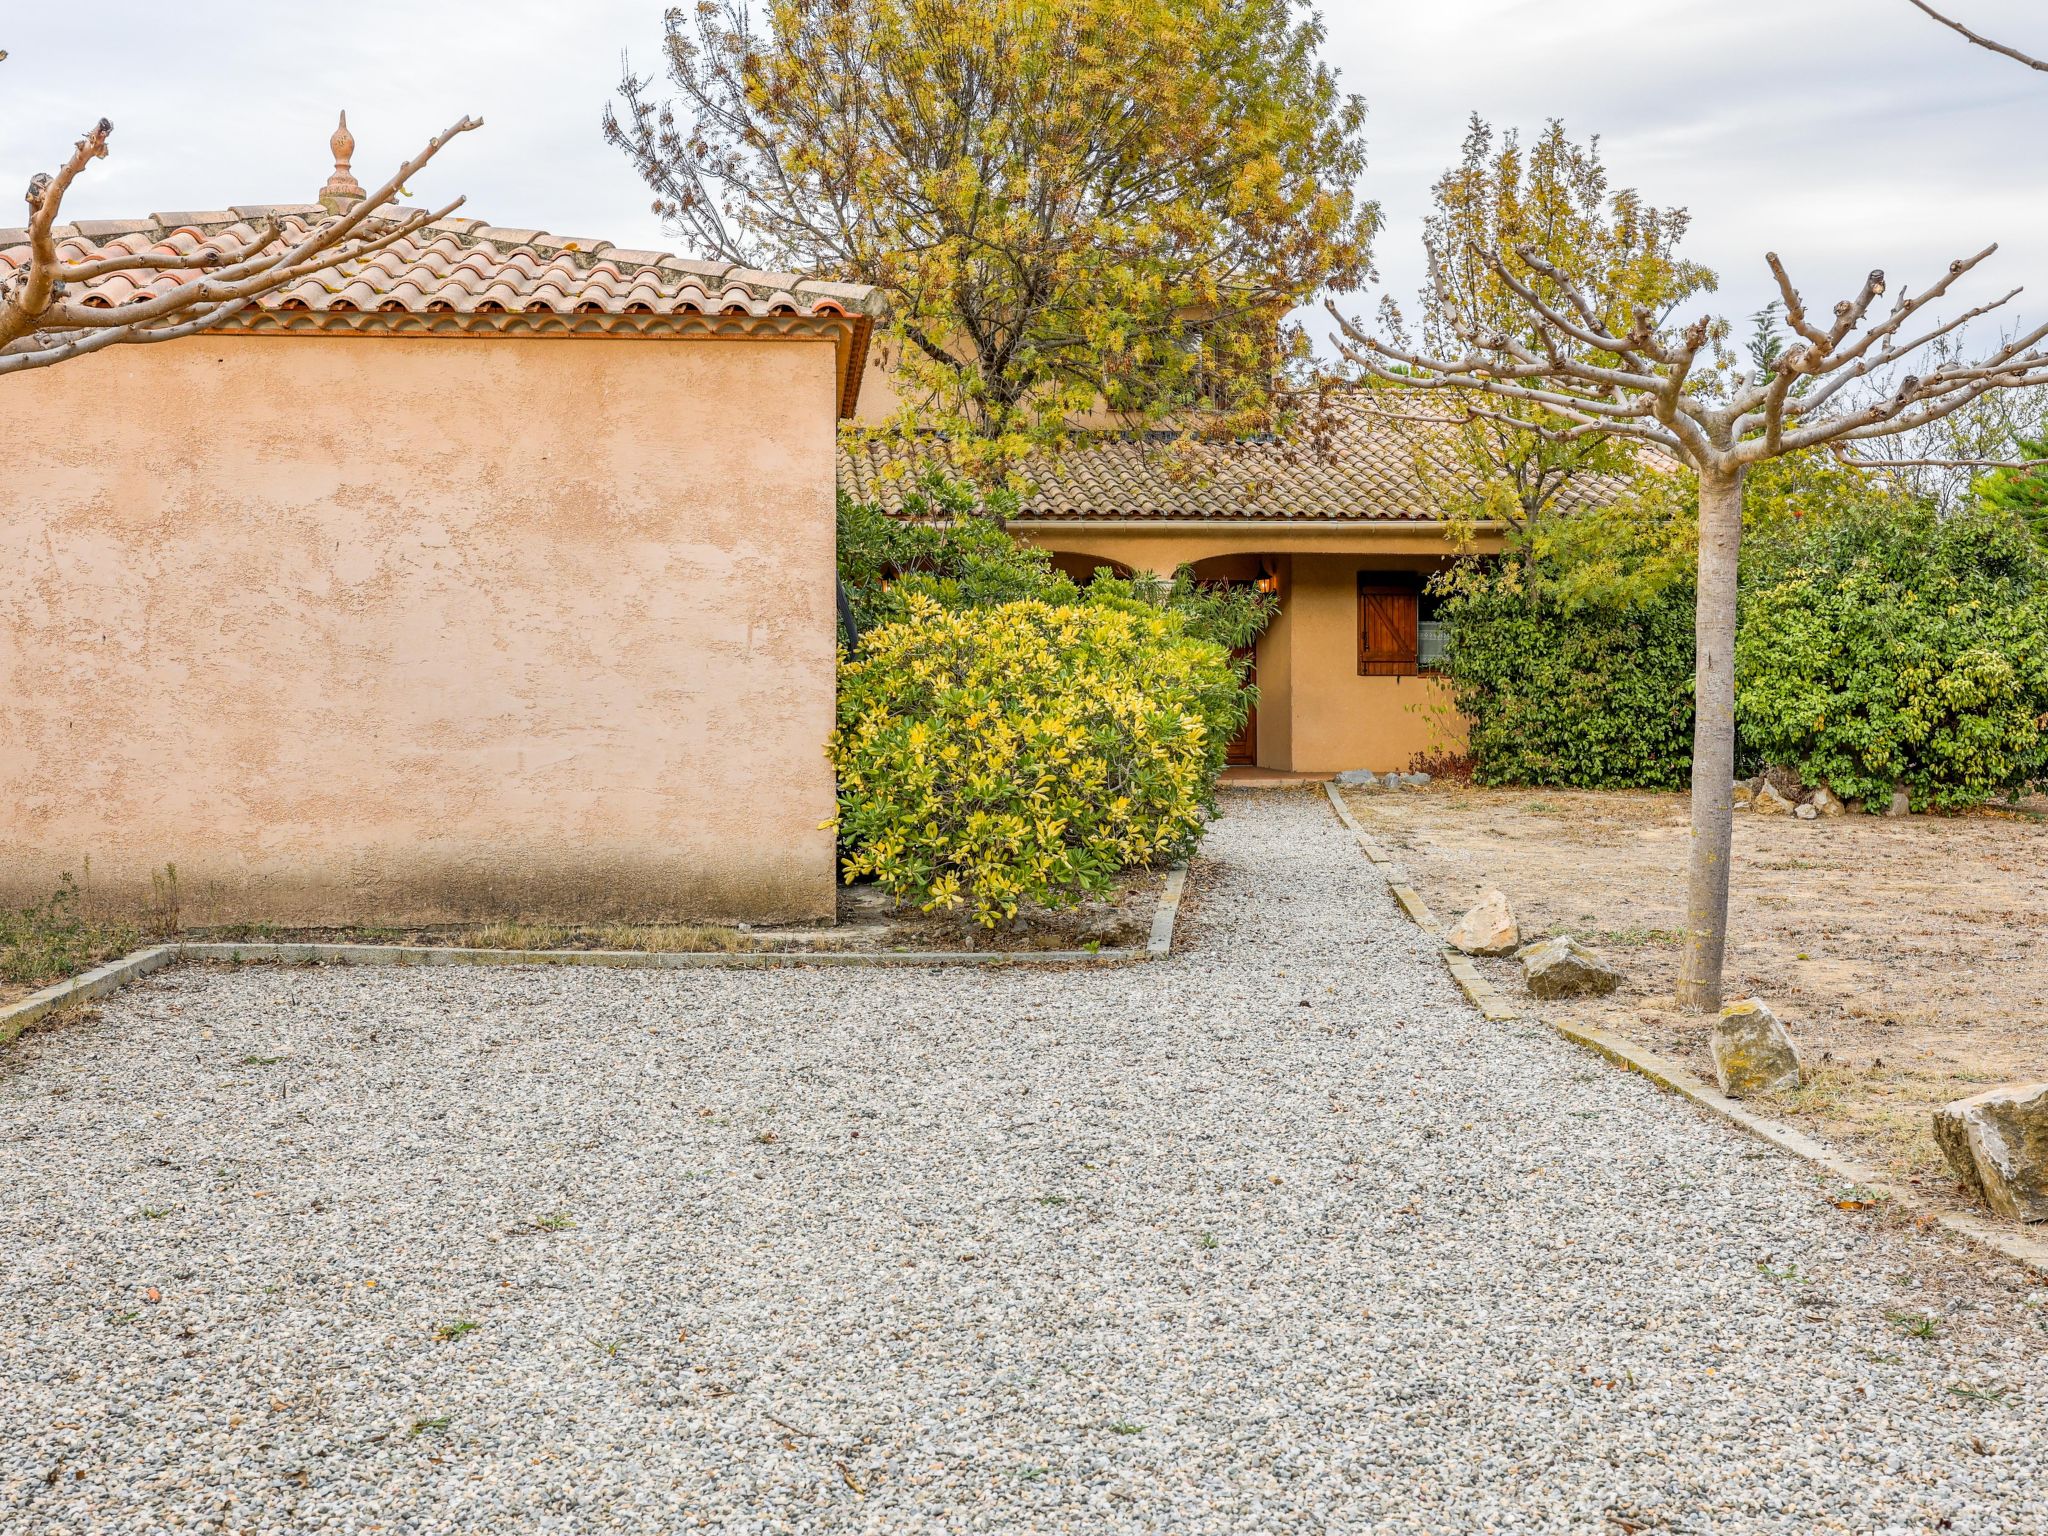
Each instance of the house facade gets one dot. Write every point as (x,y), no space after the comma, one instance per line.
(490,576)
(1346,535)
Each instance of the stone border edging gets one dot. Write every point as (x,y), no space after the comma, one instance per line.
(2011,1242)
(1497,1009)
(106,978)
(97,982)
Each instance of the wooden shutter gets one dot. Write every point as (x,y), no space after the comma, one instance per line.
(1386,629)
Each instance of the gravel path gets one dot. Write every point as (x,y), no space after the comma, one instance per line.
(1279,1236)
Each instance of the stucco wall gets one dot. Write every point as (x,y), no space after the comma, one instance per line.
(1342,720)
(359,629)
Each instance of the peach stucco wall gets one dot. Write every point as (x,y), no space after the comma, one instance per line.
(1316,714)
(356,629)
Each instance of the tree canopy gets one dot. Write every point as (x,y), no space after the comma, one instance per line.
(1055,231)
(1549,215)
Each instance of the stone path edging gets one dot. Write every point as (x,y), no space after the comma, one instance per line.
(106,978)
(2011,1242)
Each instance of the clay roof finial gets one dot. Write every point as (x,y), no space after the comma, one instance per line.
(342,191)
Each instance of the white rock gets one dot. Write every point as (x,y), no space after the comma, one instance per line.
(1488,929)
(1769,802)
(1753,1051)
(1997,1143)
(1806,813)
(1563,967)
(1824,802)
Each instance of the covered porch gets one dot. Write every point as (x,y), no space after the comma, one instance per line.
(1344,672)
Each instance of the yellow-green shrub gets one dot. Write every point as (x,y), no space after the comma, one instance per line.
(1025,751)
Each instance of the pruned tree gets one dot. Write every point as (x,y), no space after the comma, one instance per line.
(1837,382)
(1551,196)
(1068,205)
(44,318)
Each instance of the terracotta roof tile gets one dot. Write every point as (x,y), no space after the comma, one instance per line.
(1368,473)
(454,264)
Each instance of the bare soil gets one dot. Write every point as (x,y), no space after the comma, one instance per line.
(1909,956)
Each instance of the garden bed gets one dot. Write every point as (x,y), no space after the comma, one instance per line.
(1910,956)
(869,921)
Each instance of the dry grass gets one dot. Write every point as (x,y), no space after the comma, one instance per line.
(657,938)
(1910,956)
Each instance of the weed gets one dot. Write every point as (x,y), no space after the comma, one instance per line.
(155,1212)
(1030,1474)
(609,1348)
(555,1221)
(434,1426)
(666,938)
(1640,938)
(1982,1394)
(53,939)
(448,1333)
(1053,1200)
(1206,1240)
(1914,1325)
(1772,1272)
(115,1319)
(261,1061)
(1125,1427)
(163,901)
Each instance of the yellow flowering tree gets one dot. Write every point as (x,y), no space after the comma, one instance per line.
(1066,203)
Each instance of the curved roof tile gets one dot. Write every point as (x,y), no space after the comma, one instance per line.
(453,264)
(1371,469)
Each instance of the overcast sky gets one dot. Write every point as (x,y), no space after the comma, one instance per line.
(1844,134)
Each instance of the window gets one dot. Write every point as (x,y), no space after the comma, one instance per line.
(1388,622)
(1430,634)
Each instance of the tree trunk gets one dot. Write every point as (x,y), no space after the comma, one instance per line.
(1713,742)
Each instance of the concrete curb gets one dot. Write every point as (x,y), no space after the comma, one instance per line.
(83,988)
(2010,1242)
(117,973)
(1489,1002)
(1160,944)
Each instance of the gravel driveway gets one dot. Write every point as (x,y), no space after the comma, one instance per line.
(1278,1236)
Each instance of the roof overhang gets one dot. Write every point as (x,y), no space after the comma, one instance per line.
(848,333)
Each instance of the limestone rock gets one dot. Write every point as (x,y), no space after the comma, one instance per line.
(1824,802)
(1770,801)
(1563,967)
(1359,778)
(1488,929)
(1743,793)
(1408,780)
(1902,802)
(1806,812)
(1997,1143)
(1753,1052)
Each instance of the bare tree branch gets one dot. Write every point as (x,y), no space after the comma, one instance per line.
(45,317)
(1981,41)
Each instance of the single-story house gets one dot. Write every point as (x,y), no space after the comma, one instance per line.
(492,575)
(1345,532)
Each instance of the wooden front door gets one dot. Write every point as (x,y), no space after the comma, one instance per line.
(1243,751)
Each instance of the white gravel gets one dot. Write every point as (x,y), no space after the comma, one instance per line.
(1277,1236)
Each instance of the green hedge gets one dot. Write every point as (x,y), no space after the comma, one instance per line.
(1878,645)
(1591,697)
(1906,650)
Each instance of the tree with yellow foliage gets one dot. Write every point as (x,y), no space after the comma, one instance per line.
(1070,205)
